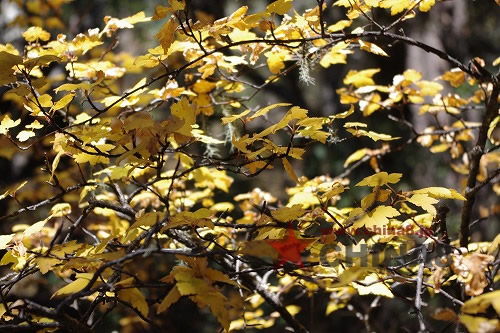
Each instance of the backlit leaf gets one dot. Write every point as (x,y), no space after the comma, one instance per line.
(166,35)
(4,240)
(135,298)
(172,297)
(441,193)
(380,179)
(35,33)
(289,170)
(280,7)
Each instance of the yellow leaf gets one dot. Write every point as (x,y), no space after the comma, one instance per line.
(37,227)
(230,119)
(166,35)
(45,264)
(456,77)
(306,199)
(148,61)
(259,248)
(285,214)
(396,6)
(216,275)
(480,324)
(439,148)
(172,297)
(55,163)
(35,125)
(4,240)
(265,110)
(345,3)
(378,217)
(275,60)
(220,312)
(190,286)
(199,218)
(336,189)
(41,61)
(135,298)
(289,170)
(81,282)
(361,78)
(380,179)
(334,305)
(425,5)
(148,219)
(61,209)
(344,114)
(280,7)
(357,155)
(161,12)
(177,4)
(372,3)
(424,201)
(8,123)
(372,287)
(254,166)
(25,135)
(113,24)
(411,75)
(92,159)
(184,111)
(9,60)
(480,304)
(12,191)
(339,25)
(45,100)
(222,207)
(35,33)
(494,245)
(428,88)
(493,130)
(294,113)
(372,48)
(336,55)
(349,275)
(197,134)
(60,104)
(73,86)
(441,193)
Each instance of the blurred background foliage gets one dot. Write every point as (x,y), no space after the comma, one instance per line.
(462,28)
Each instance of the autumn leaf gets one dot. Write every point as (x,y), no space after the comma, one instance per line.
(440,193)
(424,201)
(172,297)
(370,286)
(396,6)
(372,48)
(8,123)
(166,35)
(361,78)
(286,214)
(280,7)
(380,179)
(82,280)
(376,218)
(289,170)
(35,33)
(135,298)
(148,219)
(4,240)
